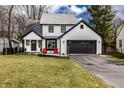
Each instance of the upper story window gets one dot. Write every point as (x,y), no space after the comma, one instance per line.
(51,29)
(81,26)
(120,43)
(63,29)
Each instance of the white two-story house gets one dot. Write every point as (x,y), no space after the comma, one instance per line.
(64,32)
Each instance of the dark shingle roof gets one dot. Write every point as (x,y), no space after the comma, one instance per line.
(35,27)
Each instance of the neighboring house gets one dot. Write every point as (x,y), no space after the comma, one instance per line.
(120,39)
(64,32)
(4,42)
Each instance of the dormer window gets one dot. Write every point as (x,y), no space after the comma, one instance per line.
(81,26)
(51,29)
(63,29)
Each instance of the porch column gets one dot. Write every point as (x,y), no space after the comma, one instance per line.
(24,43)
(43,43)
(37,46)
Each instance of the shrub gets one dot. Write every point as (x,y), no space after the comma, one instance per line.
(116,54)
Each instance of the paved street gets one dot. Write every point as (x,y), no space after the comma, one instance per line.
(111,72)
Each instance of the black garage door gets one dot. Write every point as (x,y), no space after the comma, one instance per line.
(81,47)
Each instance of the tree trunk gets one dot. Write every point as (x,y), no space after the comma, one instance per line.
(9,29)
(104,45)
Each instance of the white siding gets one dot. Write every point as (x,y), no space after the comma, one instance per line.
(14,44)
(120,37)
(3,43)
(75,34)
(32,36)
(57,30)
(58,45)
(43,43)
(80,34)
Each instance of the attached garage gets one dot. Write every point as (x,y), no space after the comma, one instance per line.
(81,39)
(81,47)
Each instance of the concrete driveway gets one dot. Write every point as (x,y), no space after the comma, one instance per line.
(111,72)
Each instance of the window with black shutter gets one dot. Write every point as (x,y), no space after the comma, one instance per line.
(63,29)
(51,29)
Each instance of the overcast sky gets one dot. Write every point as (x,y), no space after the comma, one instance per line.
(81,10)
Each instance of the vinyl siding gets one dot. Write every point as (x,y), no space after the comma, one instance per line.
(57,30)
(81,34)
(120,37)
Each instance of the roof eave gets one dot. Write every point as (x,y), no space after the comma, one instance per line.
(34,32)
(78,24)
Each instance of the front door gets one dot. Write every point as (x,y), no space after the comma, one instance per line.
(33,45)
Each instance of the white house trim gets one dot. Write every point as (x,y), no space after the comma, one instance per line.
(120,39)
(81,34)
(32,36)
(78,37)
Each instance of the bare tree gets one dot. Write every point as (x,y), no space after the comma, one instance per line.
(34,12)
(26,12)
(8,21)
(3,22)
(21,19)
(10,8)
(15,17)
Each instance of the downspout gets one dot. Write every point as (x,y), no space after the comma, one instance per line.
(60,46)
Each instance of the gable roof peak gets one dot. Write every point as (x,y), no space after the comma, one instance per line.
(35,27)
(81,21)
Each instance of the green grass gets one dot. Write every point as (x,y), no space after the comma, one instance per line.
(33,71)
(116,57)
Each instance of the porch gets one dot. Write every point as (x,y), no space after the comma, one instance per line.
(42,46)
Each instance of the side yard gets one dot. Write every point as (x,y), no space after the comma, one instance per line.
(34,71)
(116,57)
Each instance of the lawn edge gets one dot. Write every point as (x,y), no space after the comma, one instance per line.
(107,85)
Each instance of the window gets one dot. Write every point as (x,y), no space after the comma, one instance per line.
(81,26)
(51,29)
(40,43)
(63,29)
(51,44)
(120,43)
(27,42)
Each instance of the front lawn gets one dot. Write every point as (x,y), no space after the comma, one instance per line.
(34,71)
